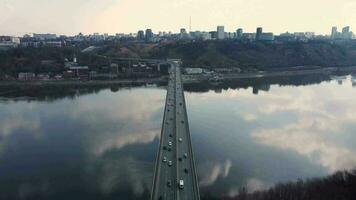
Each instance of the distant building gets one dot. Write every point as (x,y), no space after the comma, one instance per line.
(26,76)
(206,36)
(192,71)
(266,37)
(258,33)
(80,71)
(140,35)
(9,42)
(239,33)
(249,36)
(213,34)
(346,30)
(149,35)
(46,36)
(53,43)
(114,68)
(220,33)
(346,34)
(183,33)
(334,32)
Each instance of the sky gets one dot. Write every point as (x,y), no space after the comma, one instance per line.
(70,17)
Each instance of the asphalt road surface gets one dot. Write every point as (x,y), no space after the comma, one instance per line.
(175,176)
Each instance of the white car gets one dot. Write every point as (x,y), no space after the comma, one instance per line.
(181,184)
(169,143)
(185,155)
(169,163)
(164,159)
(180,139)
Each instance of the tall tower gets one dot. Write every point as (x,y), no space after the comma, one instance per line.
(149,35)
(220,33)
(258,33)
(239,33)
(333,32)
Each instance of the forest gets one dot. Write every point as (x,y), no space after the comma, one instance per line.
(338,186)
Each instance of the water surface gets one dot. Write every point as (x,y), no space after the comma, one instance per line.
(102,144)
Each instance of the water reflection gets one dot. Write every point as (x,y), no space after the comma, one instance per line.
(101,143)
(280,135)
(96,146)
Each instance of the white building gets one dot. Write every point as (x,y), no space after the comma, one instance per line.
(46,36)
(8,41)
(191,71)
(220,33)
(25,76)
(266,37)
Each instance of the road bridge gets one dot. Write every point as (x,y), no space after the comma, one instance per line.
(175,175)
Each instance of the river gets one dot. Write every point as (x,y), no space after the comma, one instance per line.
(102,143)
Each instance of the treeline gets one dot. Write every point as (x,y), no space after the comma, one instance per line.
(210,54)
(259,55)
(339,186)
(37,60)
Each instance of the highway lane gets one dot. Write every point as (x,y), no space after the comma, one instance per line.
(185,165)
(165,173)
(175,136)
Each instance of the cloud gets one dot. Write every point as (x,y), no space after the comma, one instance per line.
(121,140)
(303,140)
(213,171)
(252,185)
(123,173)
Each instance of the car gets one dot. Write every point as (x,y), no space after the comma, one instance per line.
(170,135)
(185,155)
(180,139)
(169,143)
(181,184)
(169,183)
(186,170)
(164,159)
(170,163)
(169,149)
(164,148)
(180,159)
(182,122)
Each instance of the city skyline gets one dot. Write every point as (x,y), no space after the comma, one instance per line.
(115,16)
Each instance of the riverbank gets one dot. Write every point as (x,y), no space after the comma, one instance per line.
(269,74)
(186,78)
(162,79)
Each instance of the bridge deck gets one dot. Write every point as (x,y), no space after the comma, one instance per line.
(175,146)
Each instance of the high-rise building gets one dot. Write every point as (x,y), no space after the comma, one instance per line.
(47,36)
(140,35)
(258,33)
(149,35)
(213,34)
(220,33)
(346,33)
(334,32)
(239,33)
(183,33)
(345,30)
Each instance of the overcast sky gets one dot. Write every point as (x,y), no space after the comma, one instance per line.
(115,16)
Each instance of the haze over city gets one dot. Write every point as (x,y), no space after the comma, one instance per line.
(177,99)
(114,16)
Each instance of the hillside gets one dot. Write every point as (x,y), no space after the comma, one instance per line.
(210,54)
(259,55)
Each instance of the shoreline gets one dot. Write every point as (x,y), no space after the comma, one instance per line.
(186,78)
